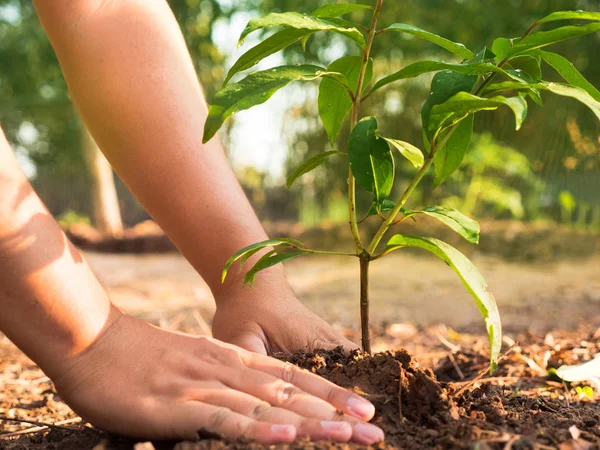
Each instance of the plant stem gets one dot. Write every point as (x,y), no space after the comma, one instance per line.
(356,101)
(322,252)
(409,190)
(364,302)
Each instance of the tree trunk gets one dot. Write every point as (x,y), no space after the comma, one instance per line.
(105,203)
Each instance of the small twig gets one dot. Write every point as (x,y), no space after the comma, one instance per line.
(482,372)
(453,348)
(204,328)
(455,364)
(39,426)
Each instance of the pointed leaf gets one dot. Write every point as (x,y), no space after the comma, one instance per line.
(567,70)
(309,165)
(269,46)
(454,47)
(529,64)
(250,250)
(505,48)
(588,371)
(571,15)
(409,151)
(269,260)
(301,21)
(371,160)
(421,67)
(463,225)
(255,89)
(448,158)
(465,103)
(470,277)
(334,101)
(337,9)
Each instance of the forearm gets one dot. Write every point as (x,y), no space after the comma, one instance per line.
(51,304)
(132,79)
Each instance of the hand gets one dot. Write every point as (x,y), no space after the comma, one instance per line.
(140,381)
(268,320)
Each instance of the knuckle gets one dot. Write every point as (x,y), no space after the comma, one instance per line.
(289,372)
(259,410)
(218,418)
(285,393)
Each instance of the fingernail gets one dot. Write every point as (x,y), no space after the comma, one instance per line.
(361,408)
(284,430)
(336,426)
(367,434)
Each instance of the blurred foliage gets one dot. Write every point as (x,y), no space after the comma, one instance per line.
(560,142)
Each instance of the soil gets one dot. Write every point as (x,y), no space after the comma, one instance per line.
(450,402)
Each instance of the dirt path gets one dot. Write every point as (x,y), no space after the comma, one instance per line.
(404,288)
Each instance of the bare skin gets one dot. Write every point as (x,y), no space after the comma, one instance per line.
(132,80)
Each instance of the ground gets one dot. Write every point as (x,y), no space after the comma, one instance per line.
(419,304)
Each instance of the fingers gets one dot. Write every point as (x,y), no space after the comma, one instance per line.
(341,399)
(198,417)
(284,395)
(259,410)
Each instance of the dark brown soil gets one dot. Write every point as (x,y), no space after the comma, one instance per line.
(519,407)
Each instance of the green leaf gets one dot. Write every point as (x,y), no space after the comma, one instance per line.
(246,252)
(567,70)
(308,165)
(453,47)
(334,101)
(559,89)
(463,225)
(272,44)
(529,64)
(337,9)
(255,89)
(303,22)
(409,151)
(269,260)
(570,15)
(444,85)
(421,67)
(448,158)
(505,48)
(371,160)
(464,103)
(470,277)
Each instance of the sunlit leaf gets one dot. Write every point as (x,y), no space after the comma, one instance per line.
(529,64)
(385,206)
(303,22)
(463,225)
(338,9)
(421,67)
(272,44)
(454,47)
(570,15)
(505,48)
(254,248)
(371,160)
(255,89)
(470,277)
(409,151)
(308,165)
(567,70)
(269,260)
(334,101)
(449,157)
(464,103)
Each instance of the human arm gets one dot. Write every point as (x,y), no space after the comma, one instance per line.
(128,377)
(131,77)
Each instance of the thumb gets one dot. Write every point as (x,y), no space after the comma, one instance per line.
(249,341)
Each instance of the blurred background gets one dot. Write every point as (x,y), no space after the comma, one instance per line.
(536,192)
